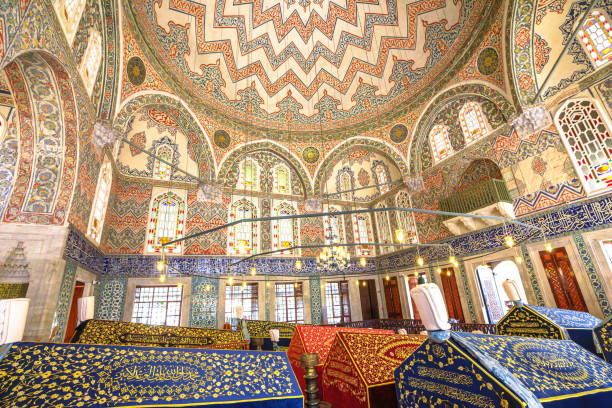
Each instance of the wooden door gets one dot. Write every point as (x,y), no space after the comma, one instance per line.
(394,306)
(369,302)
(562,280)
(74,310)
(451,294)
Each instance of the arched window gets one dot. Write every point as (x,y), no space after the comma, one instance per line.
(243,237)
(346,185)
(69,14)
(588,139)
(382,176)
(166,222)
(363,233)
(596,38)
(473,123)
(92,60)
(248,177)
(334,228)
(96,218)
(439,141)
(383,227)
(405,220)
(161,170)
(284,232)
(282,181)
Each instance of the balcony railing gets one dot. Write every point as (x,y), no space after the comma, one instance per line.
(480,196)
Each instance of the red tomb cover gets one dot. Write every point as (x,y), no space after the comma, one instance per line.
(316,339)
(358,371)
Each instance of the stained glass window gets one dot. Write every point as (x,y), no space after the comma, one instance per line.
(596,38)
(92,59)
(588,139)
(161,170)
(405,220)
(246,296)
(96,218)
(284,232)
(382,177)
(69,13)
(384,229)
(166,223)
(337,302)
(243,237)
(289,302)
(363,234)
(281,179)
(346,185)
(158,305)
(248,178)
(472,122)
(440,143)
(333,225)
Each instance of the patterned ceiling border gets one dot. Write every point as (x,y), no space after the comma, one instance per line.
(440,102)
(230,161)
(372,120)
(112,52)
(366,143)
(195,133)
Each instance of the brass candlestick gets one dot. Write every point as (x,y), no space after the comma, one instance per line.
(309,362)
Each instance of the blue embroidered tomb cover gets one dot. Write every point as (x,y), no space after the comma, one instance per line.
(549,323)
(74,375)
(473,370)
(603,336)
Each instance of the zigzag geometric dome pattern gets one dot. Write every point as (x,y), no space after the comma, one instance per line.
(305,61)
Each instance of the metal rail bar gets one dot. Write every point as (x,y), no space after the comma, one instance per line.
(347,212)
(174,166)
(569,42)
(335,245)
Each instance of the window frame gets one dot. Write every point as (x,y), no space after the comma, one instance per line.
(233,232)
(241,291)
(154,217)
(585,39)
(98,198)
(343,294)
(434,139)
(565,136)
(296,308)
(470,137)
(135,303)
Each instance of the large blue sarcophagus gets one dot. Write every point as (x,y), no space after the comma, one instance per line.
(549,323)
(603,336)
(474,370)
(79,375)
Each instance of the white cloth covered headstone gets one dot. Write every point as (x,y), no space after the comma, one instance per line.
(86,308)
(13,314)
(511,289)
(239,312)
(274,335)
(430,303)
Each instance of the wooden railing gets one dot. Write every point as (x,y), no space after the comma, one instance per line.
(413,326)
(480,196)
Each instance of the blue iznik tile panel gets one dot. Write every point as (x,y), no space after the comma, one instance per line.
(110,298)
(315,299)
(204,302)
(64,300)
(80,250)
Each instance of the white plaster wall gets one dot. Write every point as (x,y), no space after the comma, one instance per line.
(44,246)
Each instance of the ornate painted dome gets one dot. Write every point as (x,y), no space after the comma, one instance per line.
(338,62)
